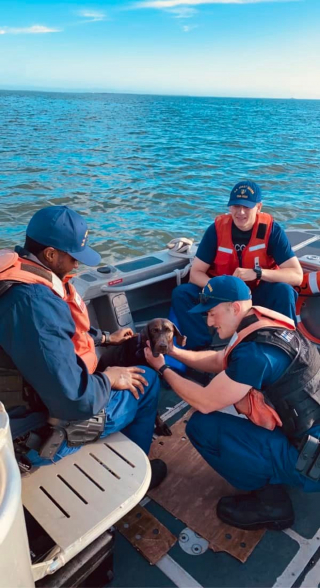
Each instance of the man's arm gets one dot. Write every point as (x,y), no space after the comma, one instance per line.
(221,392)
(36,330)
(115,338)
(205,255)
(198,272)
(289,272)
(279,248)
(206,361)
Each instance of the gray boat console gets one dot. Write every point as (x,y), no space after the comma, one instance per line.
(118,295)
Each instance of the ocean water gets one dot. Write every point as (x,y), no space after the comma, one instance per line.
(144,169)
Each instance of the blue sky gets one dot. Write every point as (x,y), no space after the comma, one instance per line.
(246,48)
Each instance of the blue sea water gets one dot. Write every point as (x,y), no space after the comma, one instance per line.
(143,169)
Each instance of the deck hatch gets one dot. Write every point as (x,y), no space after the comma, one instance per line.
(137,264)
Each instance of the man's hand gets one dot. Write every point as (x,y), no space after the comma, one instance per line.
(245,274)
(154,362)
(172,350)
(120,336)
(127,378)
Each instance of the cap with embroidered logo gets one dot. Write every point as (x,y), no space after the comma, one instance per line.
(222,289)
(245,193)
(64,229)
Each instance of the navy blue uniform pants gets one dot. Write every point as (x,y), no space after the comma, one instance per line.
(134,418)
(276,296)
(247,456)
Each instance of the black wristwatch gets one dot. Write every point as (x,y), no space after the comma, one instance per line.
(258,271)
(162,369)
(107,337)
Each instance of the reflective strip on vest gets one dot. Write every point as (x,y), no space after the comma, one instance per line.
(57,286)
(225,250)
(256,247)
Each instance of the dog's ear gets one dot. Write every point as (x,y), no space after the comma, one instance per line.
(144,336)
(181,339)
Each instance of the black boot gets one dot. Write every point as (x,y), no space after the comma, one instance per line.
(269,507)
(158,473)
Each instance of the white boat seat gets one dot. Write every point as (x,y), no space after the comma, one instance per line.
(84,494)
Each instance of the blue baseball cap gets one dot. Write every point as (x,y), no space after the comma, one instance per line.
(64,229)
(246,193)
(222,289)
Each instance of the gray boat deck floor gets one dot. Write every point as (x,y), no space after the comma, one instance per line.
(281,559)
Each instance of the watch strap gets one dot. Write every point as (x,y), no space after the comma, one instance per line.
(107,337)
(258,271)
(162,369)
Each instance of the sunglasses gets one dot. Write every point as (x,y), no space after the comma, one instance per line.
(204,298)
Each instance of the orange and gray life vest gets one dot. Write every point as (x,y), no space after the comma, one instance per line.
(293,401)
(17,269)
(254,254)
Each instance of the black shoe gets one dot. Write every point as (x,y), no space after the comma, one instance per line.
(158,473)
(269,507)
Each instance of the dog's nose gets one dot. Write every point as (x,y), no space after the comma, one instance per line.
(162,347)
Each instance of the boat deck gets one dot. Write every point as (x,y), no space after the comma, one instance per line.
(285,559)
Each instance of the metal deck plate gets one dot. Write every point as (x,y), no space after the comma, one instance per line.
(88,490)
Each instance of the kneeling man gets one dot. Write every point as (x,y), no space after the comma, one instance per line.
(271,373)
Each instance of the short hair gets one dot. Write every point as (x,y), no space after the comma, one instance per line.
(33,246)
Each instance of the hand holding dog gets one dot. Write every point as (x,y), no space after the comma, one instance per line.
(120,336)
(154,362)
(127,378)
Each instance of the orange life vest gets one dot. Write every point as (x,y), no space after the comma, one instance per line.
(17,269)
(254,254)
(253,405)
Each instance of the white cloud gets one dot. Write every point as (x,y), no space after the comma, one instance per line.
(33,30)
(183,12)
(92,15)
(173,3)
(188,28)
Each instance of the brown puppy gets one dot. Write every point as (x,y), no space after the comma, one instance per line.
(160,332)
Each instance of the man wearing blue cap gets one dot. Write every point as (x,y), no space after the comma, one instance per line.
(271,374)
(45,331)
(248,244)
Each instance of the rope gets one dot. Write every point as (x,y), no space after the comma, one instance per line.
(182,273)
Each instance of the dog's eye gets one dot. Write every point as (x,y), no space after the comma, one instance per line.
(155,330)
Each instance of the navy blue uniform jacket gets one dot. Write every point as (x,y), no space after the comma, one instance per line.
(36,330)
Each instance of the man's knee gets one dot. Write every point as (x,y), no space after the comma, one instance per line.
(196,427)
(192,426)
(153,380)
(285,291)
(184,292)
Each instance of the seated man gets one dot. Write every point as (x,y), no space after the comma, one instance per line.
(44,329)
(248,244)
(271,373)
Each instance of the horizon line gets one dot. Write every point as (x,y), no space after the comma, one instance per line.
(131,93)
